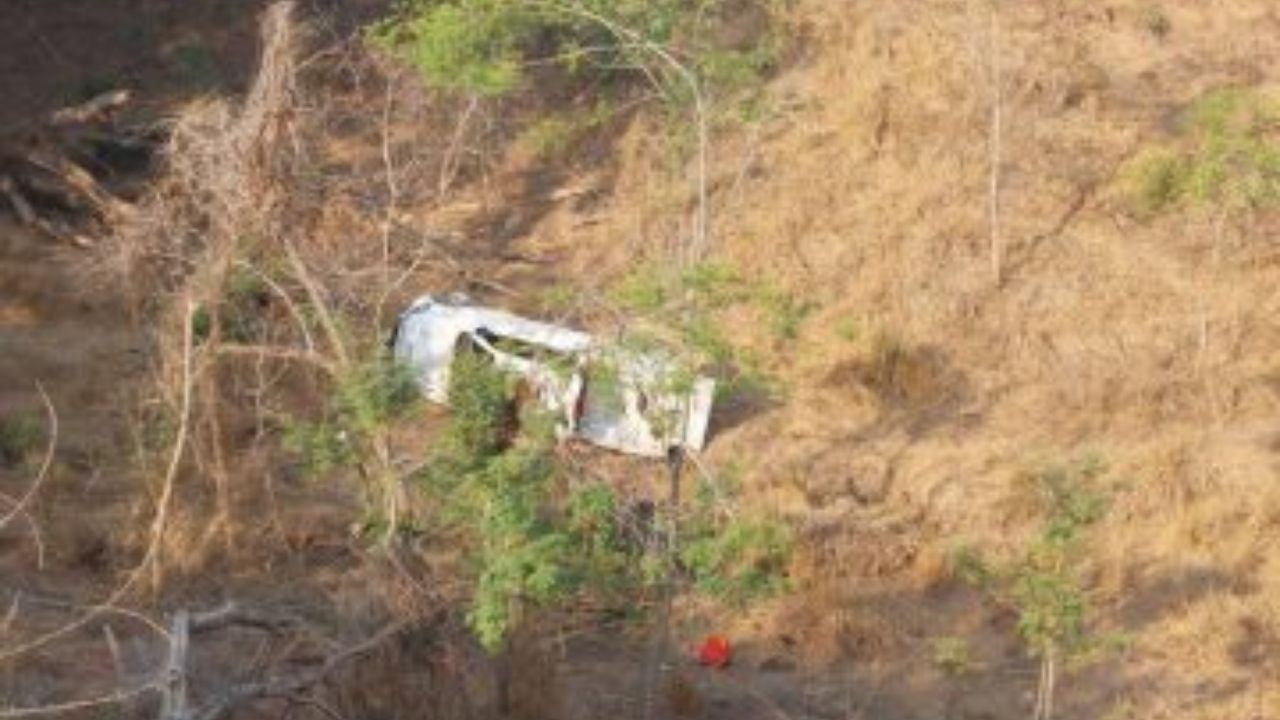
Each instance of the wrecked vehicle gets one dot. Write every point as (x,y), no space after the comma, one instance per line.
(628,400)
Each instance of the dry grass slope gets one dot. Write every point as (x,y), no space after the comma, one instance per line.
(1151,343)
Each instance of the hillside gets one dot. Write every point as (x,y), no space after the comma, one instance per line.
(992,292)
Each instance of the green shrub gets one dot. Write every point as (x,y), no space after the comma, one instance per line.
(953,655)
(1226,155)
(522,555)
(19,437)
(786,313)
(536,537)
(480,397)
(733,557)
(554,136)
(469,45)
(366,400)
(1042,583)
(689,305)
(1162,179)
(322,447)
(377,392)
(1157,22)
(738,561)
(645,290)
(483,46)
(848,329)
(967,564)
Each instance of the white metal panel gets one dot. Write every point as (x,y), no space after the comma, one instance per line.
(428,333)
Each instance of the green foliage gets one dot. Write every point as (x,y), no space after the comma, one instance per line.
(467,45)
(484,46)
(690,304)
(480,396)
(848,329)
(555,135)
(537,538)
(366,400)
(201,324)
(605,557)
(1226,155)
(375,393)
(1042,583)
(1051,609)
(239,314)
(953,655)
(786,313)
(1157,22)
(558,298)
(645,290)
(714,285)
(19,437)
(322,447)
(967,563)
(498,496)
(244,300)
(738,561)
(522,554)
(1074,505)
(734,558)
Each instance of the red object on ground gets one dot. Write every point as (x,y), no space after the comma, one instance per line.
(714,651)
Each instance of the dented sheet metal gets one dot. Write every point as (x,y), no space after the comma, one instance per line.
(638,410)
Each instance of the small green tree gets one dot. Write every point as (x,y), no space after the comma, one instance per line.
(1042,584)
(352,432)
(539,536)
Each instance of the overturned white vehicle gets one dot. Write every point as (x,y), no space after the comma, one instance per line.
(640,405)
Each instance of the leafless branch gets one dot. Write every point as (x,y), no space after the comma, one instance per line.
(20,507)
(114,698)
(151,559)
(296,685)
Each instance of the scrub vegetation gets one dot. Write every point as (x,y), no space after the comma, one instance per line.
(939,258)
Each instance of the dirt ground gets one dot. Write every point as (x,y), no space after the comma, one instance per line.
(1153,344)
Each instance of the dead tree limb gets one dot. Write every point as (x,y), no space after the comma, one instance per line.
(93,110)
(20,507)
(291,687)
(173,682)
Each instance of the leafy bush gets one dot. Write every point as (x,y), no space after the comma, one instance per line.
(19,436)
(732,557)
(689,303)
(480,397)
(483,46)
(538,537)
(471,45)
(366,400)
(953,655)
(1042,583)
(322,447)
(786,313)
(553,136)
(498,496)
(522,554)
(738,561)
(1226,154)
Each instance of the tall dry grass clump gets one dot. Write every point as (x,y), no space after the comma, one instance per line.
(227,166)
(228,197)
